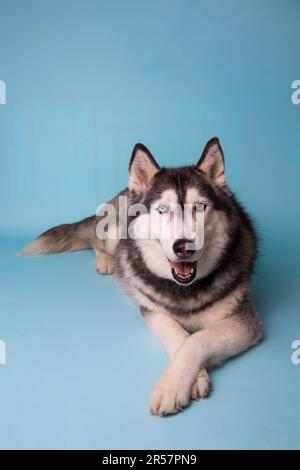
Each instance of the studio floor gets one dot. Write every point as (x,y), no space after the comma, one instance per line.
(80,364)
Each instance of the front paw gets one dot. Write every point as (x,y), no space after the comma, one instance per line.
(104,264)
(201,386)
(169,397)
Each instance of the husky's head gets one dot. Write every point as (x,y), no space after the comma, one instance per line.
(187,217)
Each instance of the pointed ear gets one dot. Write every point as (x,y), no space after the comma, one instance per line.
(142,168)
(211,162)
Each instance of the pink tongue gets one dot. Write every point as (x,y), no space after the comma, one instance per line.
(181,268)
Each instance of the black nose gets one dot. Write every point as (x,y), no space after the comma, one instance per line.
(181,250)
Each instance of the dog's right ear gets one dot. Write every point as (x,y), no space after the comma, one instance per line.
(142,168)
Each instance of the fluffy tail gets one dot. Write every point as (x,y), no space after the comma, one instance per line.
(66,237)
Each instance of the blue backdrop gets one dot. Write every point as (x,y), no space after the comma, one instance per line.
(85,81)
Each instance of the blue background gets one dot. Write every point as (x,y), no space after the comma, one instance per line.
(85,81)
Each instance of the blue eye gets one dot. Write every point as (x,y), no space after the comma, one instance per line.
(163,208)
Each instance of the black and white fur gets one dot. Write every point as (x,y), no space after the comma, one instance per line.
(200,320)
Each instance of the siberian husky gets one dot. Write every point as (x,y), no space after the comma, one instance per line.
(195,299)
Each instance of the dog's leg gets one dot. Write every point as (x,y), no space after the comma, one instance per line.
(169,332)
(226,338)
(104,262)
(172,336)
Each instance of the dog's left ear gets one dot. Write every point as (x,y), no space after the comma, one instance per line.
(142,168)
(211,162)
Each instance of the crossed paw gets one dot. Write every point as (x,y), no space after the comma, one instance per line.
(171,394)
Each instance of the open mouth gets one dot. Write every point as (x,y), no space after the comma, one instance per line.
(183,272)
